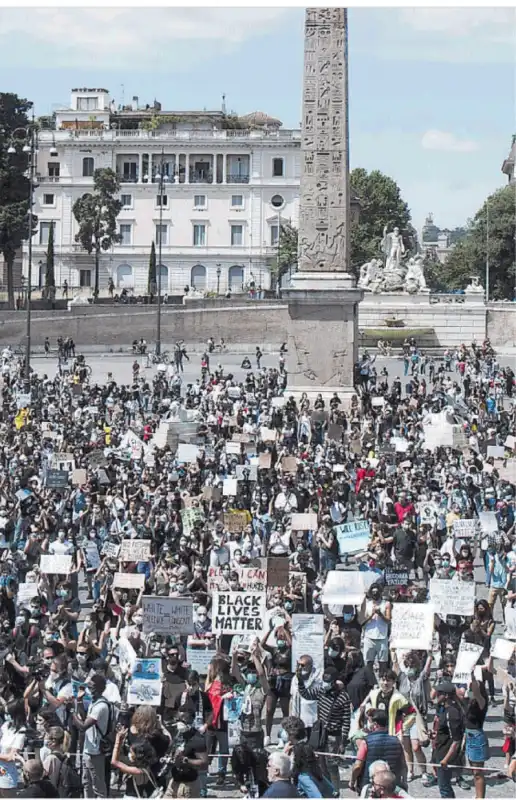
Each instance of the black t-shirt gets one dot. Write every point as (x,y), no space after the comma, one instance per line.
(404,543)
(474,715)
(194,745)
(448,728)
(195,704)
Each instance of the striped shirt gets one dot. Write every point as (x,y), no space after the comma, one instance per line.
(333,708)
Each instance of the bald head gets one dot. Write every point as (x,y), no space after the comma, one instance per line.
(33,770)
(386,781)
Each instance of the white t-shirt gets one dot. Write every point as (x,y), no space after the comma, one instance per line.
(10,739)
(112,693)
(65,692)
(99,710)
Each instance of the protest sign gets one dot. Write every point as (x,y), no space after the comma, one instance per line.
(264,461)
(131,444)
(507,472)
(464,528)
(144,687)
(488,522)
(277,571)
(239,612)
(510,622)
(289,464)
(347,588)
(339,468)
(79,477)
(129,580)
(91,556)
(56,479)
(135,550)
(23,400)
(352,537)
(377,402)
(251,578)
(467,657)
(304,522)
(26,591)
(200,658)
(412,626)
(510,442)
(235,521)
(495,451)
(96,459)
(126,655)
(240,438)
(233,448)
(268,435)
(428,511)
(400,445)
(187,453)
(63,461)
(452,597)
(56,565)
(110,549)
(503,649)
(191,517)
(278,402)
(170,615)
(246,472)
(230,487)
(396,577)
(308,639)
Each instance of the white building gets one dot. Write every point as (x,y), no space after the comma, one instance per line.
(228,190)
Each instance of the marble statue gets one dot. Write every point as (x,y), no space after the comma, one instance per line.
(415,277)
(370,274)
(393,248)
(475,287)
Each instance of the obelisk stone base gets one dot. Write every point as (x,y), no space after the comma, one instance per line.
(323,334)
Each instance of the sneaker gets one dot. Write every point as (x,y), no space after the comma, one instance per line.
(266,741)
(463,784)
(410,777)
(220,779)
(428,780)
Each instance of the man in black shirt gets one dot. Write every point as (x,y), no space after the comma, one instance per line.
(190,757)
(447,734)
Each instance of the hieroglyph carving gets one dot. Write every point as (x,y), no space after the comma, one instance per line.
(324,201)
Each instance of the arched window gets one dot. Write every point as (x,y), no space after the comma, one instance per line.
(88,166)
(124,276)
(236,279)
(163,270)
(198,277)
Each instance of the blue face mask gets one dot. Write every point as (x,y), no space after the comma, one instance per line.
(326,685)
(281,644)
(252,679)
(333,653)
(283,736)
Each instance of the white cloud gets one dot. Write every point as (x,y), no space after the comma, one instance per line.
(490,24)
(447,142)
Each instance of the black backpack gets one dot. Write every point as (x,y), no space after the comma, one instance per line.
(68,780)
(107,738)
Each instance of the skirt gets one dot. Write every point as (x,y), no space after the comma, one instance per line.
(477,746)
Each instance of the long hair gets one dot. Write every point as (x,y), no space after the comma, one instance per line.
(145,720)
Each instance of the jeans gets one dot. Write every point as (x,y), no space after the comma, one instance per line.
(220,737)
(94,776)
(444,777)
(329,764)
(327,561)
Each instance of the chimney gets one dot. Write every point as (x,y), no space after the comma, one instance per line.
(134,104)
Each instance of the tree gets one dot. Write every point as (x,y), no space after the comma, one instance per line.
(380,204)
(286,256)
(14,185)
(152,279)
(97,214)
(469,256)
(50,278)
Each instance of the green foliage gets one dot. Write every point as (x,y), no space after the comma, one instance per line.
(47,123)
(469,256)
(50,278)
(97,215)
(14,185)
(154,122)
(286,256)
(232,122)
(152,279)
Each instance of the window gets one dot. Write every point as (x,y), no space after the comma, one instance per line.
(274,235)
(87,103)
(88,167)
(126,200)
(237,201)
(277,167)
(130,171)
(125,233)
(48,199)
(199,235)
(53,169)
(199,201)
(84,278)
(277,201)
(165,200)
(161,234)
(44,230)
(237,235)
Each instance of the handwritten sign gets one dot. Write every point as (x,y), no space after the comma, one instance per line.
(304,522)
(264,461)
(352,537)
(170,615)
(236,521)
(396,577)
(128,580)
(452,597)
(200,658)
(233,448)
(135,550)
(412,626)
(145,685)
(110,549)
(464,528)
(289,464)
(503,649)
(467,657)
(308,639)
(56,565)
(277,571)
(239,612)
(56,479)
(347,588)
(26,591)
(252,579)
(79,477)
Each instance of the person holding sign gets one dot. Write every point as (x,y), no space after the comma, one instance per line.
(256,690)
(475,705)
(447,735)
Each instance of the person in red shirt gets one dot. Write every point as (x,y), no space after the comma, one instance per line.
(364,471)
(404,508)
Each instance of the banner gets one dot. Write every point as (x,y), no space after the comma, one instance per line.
(412,626)
(56,565)
(304,522)
(128,580)
(200,658)
(308,638)
(353,537)
(135,550)
(171,615)
(347,588)
(144,688)
(464,528)
(467,657)
(277,571)
(239,612)
(452,597)
(252,579)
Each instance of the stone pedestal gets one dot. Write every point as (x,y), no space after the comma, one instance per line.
(323,334)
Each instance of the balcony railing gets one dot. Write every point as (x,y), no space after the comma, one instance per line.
(114,135)
(201,176)
(237,178)
(47,178)
(124,177)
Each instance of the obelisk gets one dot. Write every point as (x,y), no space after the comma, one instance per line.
(322,298)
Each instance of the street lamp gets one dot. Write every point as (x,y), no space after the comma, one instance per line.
(218,279)
(29,135)
(162,179)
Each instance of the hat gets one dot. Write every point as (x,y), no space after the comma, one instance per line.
(445,687)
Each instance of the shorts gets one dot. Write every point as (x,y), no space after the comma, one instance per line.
(280,686)
(412,733)
(375,647)
(477,746)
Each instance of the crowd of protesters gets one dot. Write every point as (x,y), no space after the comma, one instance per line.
(365,717)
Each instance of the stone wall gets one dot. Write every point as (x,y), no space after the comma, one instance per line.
(501,324)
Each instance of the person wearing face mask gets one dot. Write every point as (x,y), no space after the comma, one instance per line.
(306,710)
(496,575)
(307,774)
(335,655)
(401,713)
(219,553)
(140,781)
(174,682)
(57,689)
(447,735)
(89,561)
(190,757)
(66,608)
(257,688)
(414,684)
(280,675)
(376,617)
(378,744)
(475,707)
(12,742)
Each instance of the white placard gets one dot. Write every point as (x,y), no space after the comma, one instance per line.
(135,550)
(428,511)
(510,443)
(170,615)
(304,522)
(187,453)
(233,448)
(26,591)
(278,402)
(377,402)
(230,487)
(467,658)
(465,528)
(503,649)
(347,588)
(268,435)
(495,451)
(488,521)
(412,626)
(239,612)
(510,622)
(126,654)
(452,597)
(56,565)
(110,549)
(129,580)
(308,639)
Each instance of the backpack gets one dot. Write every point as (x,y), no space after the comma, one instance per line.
(107,739)
(69,783)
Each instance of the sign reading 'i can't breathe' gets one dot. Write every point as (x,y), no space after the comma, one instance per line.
(238,612)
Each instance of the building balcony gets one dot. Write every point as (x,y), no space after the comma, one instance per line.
(237,178)
(202,176)
(47,178)
(115,135)
(123,177)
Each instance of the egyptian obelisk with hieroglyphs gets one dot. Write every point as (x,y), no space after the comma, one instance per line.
(322,297)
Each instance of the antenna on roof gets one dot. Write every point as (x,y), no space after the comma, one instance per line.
(223,103)
(122,88)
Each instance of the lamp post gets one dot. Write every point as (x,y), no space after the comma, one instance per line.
(162,179)
(487,252)
(218,279)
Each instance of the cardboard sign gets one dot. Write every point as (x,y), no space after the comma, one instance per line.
(145,685)
(277,571)
(170,615)
(268,435)
(353,537)
(135,550)
(129,580)
(236,521)
(200,658)
(496,451)
(503,649)
(412,626)
(239,612)
(304,522)
(289,464)
(452,597)
(308,639)
(347,588)
(264,461)
(246,472)
(467,657)
(252,579)
(110,549)
(230,487)
(56,479)
(428,511)
(396,577)
(488,522)
(79,477)
(55,565)
(464,528)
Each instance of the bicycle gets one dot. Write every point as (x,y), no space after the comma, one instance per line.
(153,358)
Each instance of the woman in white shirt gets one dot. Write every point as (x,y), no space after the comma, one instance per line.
(12,742)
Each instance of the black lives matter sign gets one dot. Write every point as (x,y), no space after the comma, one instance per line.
(238,612)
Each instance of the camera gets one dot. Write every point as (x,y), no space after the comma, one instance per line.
(39,671)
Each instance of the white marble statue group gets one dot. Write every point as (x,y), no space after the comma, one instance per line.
(395,276)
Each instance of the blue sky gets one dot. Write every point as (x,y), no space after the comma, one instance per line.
(432,91)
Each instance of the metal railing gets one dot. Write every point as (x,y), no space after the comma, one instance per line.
(237,178)
(113,135)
